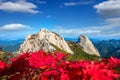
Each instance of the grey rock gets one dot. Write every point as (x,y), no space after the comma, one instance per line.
(87,45)
(44,40)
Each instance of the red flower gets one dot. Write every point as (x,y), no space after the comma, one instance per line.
(2,65)
(114,62)
(64,77)
(52,66)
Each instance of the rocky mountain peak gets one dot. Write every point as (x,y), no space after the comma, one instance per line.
(44,30)
(45,40)
(87,45)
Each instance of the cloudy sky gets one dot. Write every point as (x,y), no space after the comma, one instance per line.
(95,18)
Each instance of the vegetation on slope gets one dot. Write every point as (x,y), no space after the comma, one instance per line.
(5,56)
(79,53)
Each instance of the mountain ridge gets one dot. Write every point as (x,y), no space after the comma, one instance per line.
(43,40)
(106,48)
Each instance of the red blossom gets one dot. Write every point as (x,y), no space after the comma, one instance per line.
(52,66)
(64,77)
(2,65)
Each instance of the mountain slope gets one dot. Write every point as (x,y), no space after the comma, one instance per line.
(79,53)
(44,40)
(87,45)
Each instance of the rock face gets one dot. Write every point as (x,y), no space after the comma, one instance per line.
(87,45)
(45,40)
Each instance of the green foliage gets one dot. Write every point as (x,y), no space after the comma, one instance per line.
(79,53)
(58,49)
(5,56)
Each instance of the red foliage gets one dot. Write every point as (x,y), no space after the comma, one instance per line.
(2,65)
(52,66)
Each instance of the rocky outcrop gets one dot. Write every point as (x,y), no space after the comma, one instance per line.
(87,45)
(1,52)
(45,40)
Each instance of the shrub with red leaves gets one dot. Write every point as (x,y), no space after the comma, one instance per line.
(53,66)
(2,65)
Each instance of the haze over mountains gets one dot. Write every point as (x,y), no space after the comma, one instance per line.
(10,45)
(106,48)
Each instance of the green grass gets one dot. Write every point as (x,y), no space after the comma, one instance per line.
(58,49)
(79,53)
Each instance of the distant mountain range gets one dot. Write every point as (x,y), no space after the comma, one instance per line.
(10,45)
(49,42)
(106,48)
(10,42)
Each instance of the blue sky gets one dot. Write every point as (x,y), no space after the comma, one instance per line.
(95,18)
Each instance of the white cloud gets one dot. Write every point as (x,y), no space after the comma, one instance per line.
(107,30)
(108,8)
(113,22)
(111,10)
(15,31)
(75,31)
(77,3)
(14,27)
(19,6)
